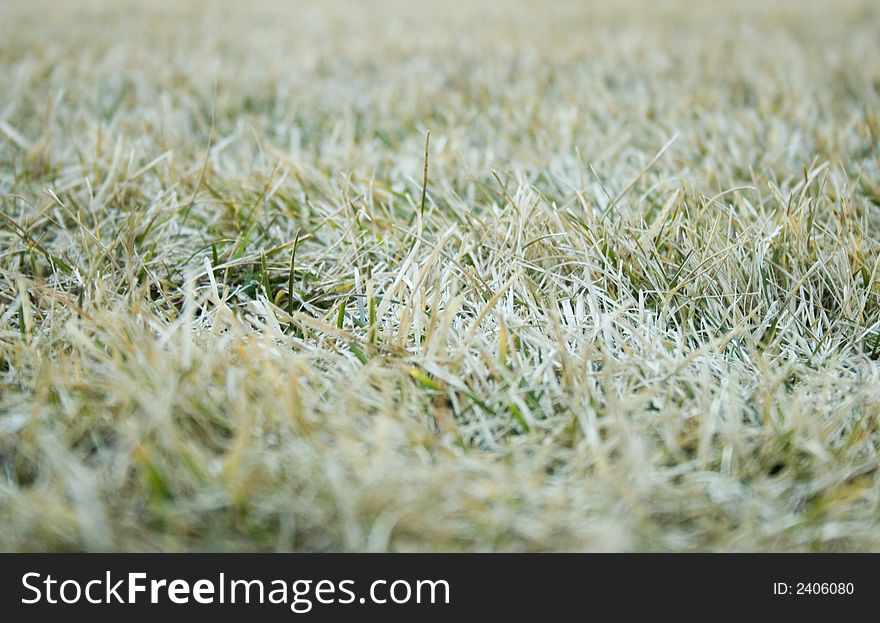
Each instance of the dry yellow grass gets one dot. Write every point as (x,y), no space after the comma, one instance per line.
(637,306)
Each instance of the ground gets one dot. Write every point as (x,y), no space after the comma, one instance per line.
(439,276)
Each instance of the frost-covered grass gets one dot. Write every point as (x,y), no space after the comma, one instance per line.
(630,299)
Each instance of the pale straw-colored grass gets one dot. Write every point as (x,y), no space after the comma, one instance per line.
(637,305)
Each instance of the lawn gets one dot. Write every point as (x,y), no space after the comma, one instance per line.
(459,276)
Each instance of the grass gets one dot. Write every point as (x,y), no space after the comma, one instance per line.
(625,297)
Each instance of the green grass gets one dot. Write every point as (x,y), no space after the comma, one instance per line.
(476,276)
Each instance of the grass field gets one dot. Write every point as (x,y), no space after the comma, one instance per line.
(439,276)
